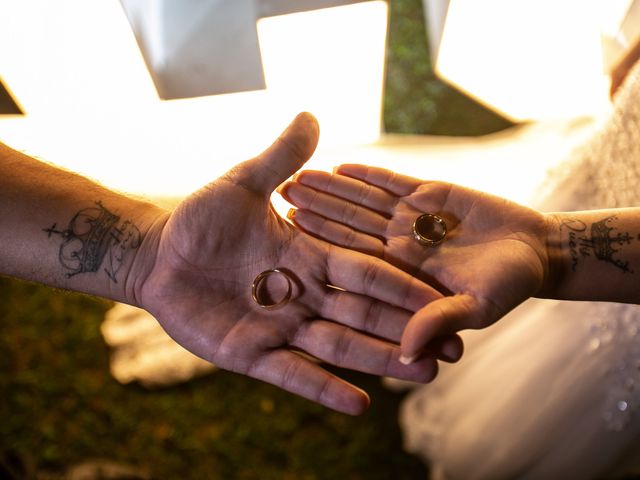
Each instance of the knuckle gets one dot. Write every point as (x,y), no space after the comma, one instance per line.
(350,238)
(364,192)
(349,212)
(372,317)
(323,391)
(342,347)
(289,375)
(371,271)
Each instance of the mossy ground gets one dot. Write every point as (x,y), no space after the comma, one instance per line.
(60,406)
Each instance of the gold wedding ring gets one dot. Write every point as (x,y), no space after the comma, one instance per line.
(261,297)
(429,229)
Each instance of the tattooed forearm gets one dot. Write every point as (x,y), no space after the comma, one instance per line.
(599,241)
(93,239)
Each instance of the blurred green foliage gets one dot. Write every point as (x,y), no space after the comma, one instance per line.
(416,101)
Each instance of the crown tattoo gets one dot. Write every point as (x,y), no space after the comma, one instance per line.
(602,242)
(92,235)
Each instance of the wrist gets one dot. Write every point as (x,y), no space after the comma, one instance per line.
(556,264)
(143,262)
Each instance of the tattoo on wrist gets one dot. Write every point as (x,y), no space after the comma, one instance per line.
(601,242)
(93,239)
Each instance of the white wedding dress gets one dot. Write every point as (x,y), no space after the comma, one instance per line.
(553,390)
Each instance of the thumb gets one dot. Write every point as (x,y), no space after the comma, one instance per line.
(441,317)
(282,159)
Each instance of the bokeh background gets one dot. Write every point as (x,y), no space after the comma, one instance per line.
(59,406)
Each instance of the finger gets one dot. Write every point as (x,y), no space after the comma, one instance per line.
(347,348)
(400,185)
(336,233)
(337,209)
(282,159)
(448,348)
(367,275)
(441,317)
(352,189)
(297,375)
(384,321)
(365,314)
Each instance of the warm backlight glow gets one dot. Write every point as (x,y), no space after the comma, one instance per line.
(91,105)
(536,59)
(304,72)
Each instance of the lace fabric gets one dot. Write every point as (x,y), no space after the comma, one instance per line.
(553,390)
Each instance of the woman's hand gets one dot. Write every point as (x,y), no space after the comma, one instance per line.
(493,257)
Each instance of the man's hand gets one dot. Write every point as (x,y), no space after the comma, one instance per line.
(200,264)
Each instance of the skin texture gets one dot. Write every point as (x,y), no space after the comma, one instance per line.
(493,257)
(214,245)
(193,269)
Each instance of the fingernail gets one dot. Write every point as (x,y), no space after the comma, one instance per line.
(291,213)
(407,360)
(294,177)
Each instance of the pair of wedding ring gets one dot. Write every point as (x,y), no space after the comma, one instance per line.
(428,229)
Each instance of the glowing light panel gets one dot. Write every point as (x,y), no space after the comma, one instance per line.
(91,105)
